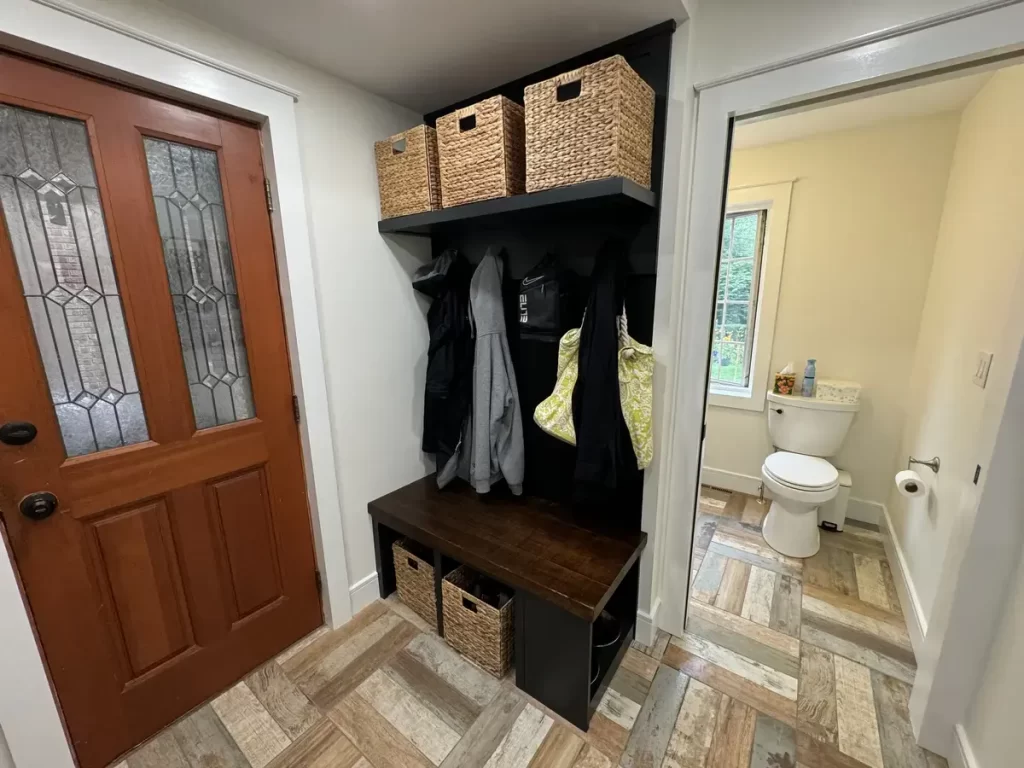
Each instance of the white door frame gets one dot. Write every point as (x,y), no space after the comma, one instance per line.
(65,34)
(967,36)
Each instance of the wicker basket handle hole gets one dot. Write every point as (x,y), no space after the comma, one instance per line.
(569,91)
(413,564)
(398,147)
(467,123)
(469,605)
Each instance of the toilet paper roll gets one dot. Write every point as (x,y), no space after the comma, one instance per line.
(910,484)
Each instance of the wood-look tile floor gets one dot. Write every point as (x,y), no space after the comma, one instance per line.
(791,662)
(784,664)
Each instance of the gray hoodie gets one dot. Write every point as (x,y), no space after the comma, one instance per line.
(492,444)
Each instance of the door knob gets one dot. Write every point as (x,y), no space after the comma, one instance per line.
(17,433)
(38,506)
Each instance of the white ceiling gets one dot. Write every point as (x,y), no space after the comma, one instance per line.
(931,98)
(427,55)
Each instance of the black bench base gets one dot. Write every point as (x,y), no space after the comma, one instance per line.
(555,657)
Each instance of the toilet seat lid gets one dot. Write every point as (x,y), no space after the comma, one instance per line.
(806,473)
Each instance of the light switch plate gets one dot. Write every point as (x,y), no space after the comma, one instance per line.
(981,368)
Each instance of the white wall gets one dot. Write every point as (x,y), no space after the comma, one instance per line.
(6,761)
(863,219)
(993,729)
(963,545)
(733,36)
(26,704)
(374,332)
(969,307)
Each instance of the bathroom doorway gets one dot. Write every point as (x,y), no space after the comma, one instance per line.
(863,316)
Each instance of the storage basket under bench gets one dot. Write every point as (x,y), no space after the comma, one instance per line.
(561,577)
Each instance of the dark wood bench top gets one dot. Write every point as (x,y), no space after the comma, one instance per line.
(522,542)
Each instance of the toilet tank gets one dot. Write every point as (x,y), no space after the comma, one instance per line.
(807,425)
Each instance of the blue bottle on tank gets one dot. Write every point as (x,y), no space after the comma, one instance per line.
(809,373)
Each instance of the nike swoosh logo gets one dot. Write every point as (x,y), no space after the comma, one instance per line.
(528,281)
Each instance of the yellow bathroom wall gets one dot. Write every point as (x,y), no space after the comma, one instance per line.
(865,212)
(972,305)
(992,731)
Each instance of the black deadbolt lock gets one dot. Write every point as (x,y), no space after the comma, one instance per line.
(38,506)
(17,433)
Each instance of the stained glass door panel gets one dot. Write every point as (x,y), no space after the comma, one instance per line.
(59,236)
(197,253)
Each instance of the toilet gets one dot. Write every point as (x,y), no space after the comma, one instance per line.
(798,476)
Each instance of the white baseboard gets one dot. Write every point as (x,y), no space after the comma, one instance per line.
(730,481)
(364,592)
(910,603)
(858,509)
(962,755)
(647,624)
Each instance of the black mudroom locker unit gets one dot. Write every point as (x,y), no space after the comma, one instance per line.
(566,562)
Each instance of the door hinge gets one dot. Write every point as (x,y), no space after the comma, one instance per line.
(319,582)
(295,408)
(270,195)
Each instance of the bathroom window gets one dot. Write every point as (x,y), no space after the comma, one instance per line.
(750,276)
(736,304)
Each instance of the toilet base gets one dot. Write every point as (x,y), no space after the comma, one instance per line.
(792,530)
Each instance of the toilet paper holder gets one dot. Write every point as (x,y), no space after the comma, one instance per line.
(933,464)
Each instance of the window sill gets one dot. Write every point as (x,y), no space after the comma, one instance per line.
(742,399)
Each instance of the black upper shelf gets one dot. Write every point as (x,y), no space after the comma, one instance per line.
(613,192)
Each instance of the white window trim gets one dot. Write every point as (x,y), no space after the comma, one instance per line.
(78,38)
(775,199)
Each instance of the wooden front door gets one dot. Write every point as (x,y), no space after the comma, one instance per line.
(158,519)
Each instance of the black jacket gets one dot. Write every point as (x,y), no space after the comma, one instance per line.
(449,385)
(601,464)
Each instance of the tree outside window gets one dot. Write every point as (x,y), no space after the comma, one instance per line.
(736,305)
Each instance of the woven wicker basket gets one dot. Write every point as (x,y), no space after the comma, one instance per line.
(414,577)
(591,123)
(407,172)
(482,150)
(474,628)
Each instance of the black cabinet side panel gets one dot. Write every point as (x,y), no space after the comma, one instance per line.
(553,647)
